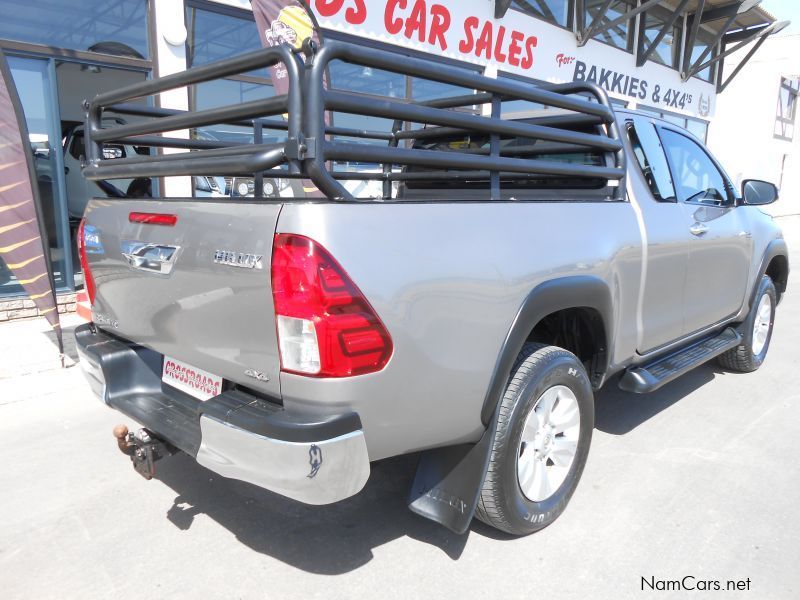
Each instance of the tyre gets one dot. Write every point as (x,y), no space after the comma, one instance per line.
(543,435)
(757,331)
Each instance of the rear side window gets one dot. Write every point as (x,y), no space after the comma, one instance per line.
(696,177)
(517,147)
(651,160)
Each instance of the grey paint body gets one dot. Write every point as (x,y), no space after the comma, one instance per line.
(447,280)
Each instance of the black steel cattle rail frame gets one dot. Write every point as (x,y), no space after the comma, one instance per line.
(313,146)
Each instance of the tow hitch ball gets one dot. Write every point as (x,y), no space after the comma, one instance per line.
(144,448)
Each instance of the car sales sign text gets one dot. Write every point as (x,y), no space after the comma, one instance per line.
(466,30)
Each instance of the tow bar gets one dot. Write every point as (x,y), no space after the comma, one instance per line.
(144,448)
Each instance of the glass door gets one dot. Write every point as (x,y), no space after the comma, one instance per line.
(35,82)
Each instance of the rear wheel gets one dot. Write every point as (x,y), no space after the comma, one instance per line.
(544,430)
(757,329)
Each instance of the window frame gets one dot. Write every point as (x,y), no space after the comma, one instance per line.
(780,119)
(631,25)
(571,8)
(642,43)
(713,69)
(730,192)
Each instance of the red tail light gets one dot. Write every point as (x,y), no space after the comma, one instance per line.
(153,218)
(88,280)
(326,327)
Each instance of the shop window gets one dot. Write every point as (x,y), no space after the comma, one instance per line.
(213,36)
(787,109)
(665,52)
(695,126)
(698,128)
(619,34)
(553,11)
(116,27)
(367,80)
(703,40)
(425,89)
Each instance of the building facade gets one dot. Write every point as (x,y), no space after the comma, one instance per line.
(662,56)
(760,106)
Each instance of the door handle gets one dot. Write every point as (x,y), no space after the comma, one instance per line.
(744,234)
(698,229)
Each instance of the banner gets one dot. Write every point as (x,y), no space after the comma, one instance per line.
(286,22)
(519,44)
(282,22)
(23,240)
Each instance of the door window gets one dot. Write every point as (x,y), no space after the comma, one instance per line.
(695,176)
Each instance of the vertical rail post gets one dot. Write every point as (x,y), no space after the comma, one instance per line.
(494,151)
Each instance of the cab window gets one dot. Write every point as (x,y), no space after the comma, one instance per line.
(695,176)
(650,159)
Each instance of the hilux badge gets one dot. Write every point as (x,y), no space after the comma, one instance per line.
(238,259)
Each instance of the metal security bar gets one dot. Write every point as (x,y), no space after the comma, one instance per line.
(439,120)
(204,157)
(512,152)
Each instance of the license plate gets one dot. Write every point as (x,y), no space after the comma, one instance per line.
(195,382)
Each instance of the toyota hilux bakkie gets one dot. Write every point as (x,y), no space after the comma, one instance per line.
(504,266)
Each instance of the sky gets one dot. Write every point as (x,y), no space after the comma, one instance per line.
(785,10)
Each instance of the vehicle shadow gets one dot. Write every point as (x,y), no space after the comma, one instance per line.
(325,540)
(341,537)
(618,412)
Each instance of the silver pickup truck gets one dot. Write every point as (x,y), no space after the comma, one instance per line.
(505,269)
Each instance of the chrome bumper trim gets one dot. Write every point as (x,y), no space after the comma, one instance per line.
(319,472)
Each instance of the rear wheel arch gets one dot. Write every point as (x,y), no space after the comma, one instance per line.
(581,302)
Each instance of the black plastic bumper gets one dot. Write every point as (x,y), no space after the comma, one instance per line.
(127,377)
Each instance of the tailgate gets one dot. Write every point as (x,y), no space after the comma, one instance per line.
(198,290)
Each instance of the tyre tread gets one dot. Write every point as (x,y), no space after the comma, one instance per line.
(741,358)
(530,357)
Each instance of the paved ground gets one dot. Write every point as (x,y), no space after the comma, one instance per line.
(699,479)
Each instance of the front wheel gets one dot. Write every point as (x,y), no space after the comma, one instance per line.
(543,435)
(757,330)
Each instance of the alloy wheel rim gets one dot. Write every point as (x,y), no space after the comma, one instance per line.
(761,324)
(549,443)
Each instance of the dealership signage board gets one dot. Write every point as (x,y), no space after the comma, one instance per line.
(518,43)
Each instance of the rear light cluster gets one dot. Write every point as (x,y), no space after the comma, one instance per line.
(148,218)
(326,327)
(88,279)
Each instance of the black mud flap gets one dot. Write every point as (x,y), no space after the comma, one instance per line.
(448,482)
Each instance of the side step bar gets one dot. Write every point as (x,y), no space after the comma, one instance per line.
(648,378)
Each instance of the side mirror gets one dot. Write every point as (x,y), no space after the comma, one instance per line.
(757,193)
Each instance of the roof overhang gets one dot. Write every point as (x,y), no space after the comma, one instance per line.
(733,25)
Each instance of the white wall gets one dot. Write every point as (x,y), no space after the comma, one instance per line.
(741,133)
(170,35)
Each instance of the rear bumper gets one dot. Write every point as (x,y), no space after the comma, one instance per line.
(234,434)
